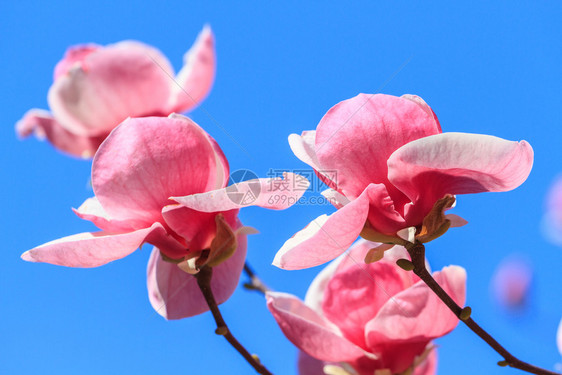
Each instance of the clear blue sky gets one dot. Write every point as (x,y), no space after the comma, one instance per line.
(483,68)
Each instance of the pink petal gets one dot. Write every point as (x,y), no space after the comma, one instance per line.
(429,366)
(315,293)
(146,160)
(337,199)
(417,314)
(309,365)
(174,294)
(303,147)
(353,296)
(456,220)
(458,163)
(357,136)
(43,125)
(74,55)
(324,238)
(126,79)
(92,210)
(309,331)
(195,79)
(196,227)
(419,101)
(90,249)
(383,216)
(273,193)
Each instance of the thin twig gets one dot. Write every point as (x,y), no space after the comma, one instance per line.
(204,281)
(417,253)
(255,282)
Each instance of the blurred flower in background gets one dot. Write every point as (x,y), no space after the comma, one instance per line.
(96,87)
(511,282)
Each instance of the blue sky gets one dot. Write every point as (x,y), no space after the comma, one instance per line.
(483,68)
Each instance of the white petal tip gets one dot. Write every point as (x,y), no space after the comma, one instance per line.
(27,256)
(407,234)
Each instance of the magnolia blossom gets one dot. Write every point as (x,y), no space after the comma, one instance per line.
(140,165)
(511,282)
(96,88)
(365,319)
(392,173)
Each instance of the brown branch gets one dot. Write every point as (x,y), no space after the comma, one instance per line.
(255,282)
(417,253)
(204,281)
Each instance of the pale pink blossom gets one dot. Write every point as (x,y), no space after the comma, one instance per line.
(388,164)
(139,166)
(511,282)
(96,87)
(365,319)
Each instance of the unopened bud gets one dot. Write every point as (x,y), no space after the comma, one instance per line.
(503,363)
(405,264)
(465,313)
(221,331)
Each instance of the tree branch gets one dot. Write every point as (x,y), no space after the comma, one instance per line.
(204,281)
(417,253)
(255,282)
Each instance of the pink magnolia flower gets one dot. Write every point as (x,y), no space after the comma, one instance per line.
(368,318)
(140,165)
(511,282)
(388,166)
(96,88)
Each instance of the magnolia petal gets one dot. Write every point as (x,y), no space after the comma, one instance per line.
(417,313)
(137,168)
(303,148)
(92,210)
(335,197)
(383,217)
(174,294)
(407,322)
(315,293)
(43,125)
(419,101)
(354,295)
(126,79)
(324,238)
(426,365)
(308,365)
(90,249)
(309,331)
(407,234)
(458,163)
(196,227)
(456,220)
(195,79)
(273,193)
(73,56)
(357,136)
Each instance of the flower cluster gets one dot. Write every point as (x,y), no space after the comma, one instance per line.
(161,179)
